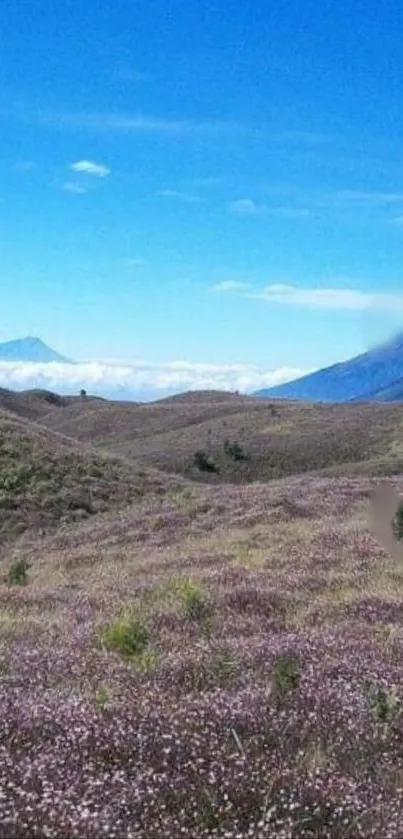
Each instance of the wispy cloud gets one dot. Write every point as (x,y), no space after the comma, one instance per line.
(183,197)
(143,376)
(370,198)
(150,123)
(78,189)
(248,207)
(134,263)
(231,285)
(319,298)
(211,181)
(138,123)
(88,167)
(243,207)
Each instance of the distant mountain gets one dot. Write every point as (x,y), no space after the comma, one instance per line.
(392,393)
(376,375)
(30,349)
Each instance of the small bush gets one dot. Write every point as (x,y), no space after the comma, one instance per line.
(397,523)
(382,703)
(194,601)
(127,635)
(234,450)
(204,463)
(18,572)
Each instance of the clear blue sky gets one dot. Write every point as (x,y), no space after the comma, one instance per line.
(167,167)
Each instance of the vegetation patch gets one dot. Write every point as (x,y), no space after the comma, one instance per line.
(194,601)
(234,450)
(204,462)
(18,572)
(127,635)
(397,523)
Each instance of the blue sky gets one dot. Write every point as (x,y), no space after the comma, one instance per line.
(204,184)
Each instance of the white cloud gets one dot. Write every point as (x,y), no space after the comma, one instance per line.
(330,298)
(143,124)
(247,207)
(243,206)
(231,285)
(180,196)
(134,263)
(79,189)
(106,377)
(87,167)
(137,122)
(322,298)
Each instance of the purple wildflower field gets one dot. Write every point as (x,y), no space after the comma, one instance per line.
(264,698)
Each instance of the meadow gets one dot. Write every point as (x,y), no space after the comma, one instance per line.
(195,653)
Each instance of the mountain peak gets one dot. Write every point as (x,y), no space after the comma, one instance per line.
(31,349)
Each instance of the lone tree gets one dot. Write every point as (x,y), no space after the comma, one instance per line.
(83,393)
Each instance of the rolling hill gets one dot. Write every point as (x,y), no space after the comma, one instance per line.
(47,478)
(277,438)
(67,458)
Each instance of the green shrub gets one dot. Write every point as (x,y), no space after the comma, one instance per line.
(204,463)
(18,572)
(234,450)
(127,635)
(194,601)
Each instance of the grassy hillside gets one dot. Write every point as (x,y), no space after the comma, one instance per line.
(277,438)
(218,660)
(224,662)
(46,478)
(34,404)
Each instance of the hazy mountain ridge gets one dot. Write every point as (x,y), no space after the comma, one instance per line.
(30,349)
(376,375)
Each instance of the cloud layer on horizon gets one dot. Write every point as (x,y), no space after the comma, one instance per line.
(104,377)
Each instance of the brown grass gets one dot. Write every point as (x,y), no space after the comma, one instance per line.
(279,438)
(47,479)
